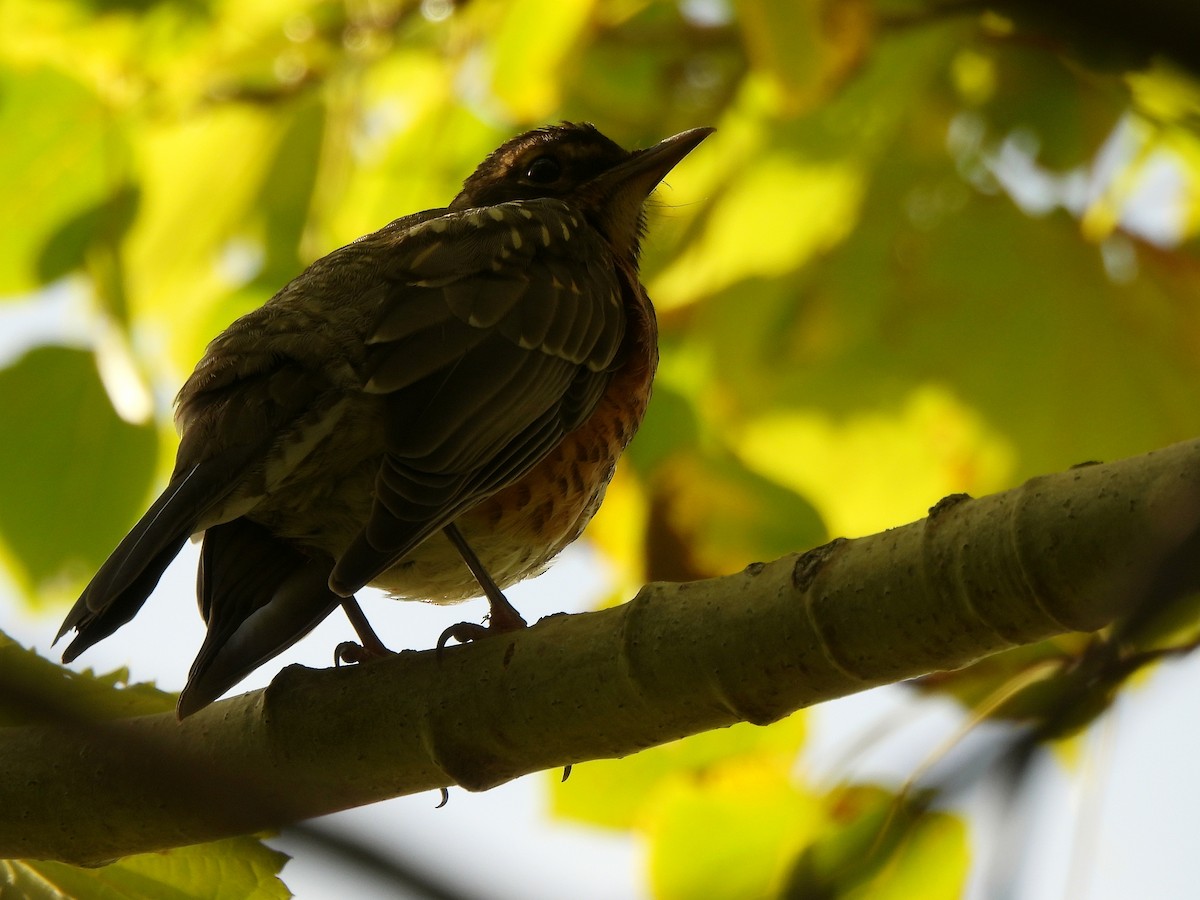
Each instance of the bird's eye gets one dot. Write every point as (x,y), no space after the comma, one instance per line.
(544,170)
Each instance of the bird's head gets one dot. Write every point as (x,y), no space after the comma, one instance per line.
(579,165)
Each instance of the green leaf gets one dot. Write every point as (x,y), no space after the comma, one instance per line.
(73,476)
(931,864)
(285,197)
(806,46)
(61,164)
(990,680)
(236,869)
(873,846)
(33,689)
(670,426)
(105,223)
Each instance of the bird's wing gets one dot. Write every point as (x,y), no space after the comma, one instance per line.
(497,339)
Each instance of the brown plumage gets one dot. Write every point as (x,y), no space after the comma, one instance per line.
(476,370)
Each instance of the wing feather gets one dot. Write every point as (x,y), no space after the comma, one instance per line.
(477,399)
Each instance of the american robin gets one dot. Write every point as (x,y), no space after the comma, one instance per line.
(474,370)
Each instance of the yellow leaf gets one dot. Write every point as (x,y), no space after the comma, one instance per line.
(534,41)
(777,215)
(733,833)
(619,793)
(619,527)
(875,470)
(192,209)
(932,864)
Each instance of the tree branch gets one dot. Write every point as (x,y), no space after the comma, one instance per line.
(1071,551)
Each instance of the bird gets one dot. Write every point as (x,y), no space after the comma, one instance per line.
(434,409)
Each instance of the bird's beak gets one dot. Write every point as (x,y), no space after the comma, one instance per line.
(620,192)
(646,168)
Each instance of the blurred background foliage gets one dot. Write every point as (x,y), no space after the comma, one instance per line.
(933,247)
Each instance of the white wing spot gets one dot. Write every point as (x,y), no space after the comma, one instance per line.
(545,236)
(437,226)
(516,239)
(526,213)
(496,213)
(425,254)
(566,232)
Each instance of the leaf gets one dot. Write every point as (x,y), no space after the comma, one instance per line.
(932,864)
(525,73)
(1052,364)
(729,835)
(616,793)
(874,469)
(192,211)
(874,846)
(404,106)
(684,81)
(33,689)
(722,515)
(806,46)
(979,682)
(671,426)
(65,166)
(770,191)
(73,475)
(103,224)
(242,868)
(785,192)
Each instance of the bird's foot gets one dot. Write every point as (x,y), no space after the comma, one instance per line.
(371,647)
(352,653)
(502,619)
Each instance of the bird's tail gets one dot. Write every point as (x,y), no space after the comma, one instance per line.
(123,583)
(259,595)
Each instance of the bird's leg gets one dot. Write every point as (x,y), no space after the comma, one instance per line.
(503,615)
(370,648)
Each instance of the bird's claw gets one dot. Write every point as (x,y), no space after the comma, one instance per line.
(351,653)
(464,632)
